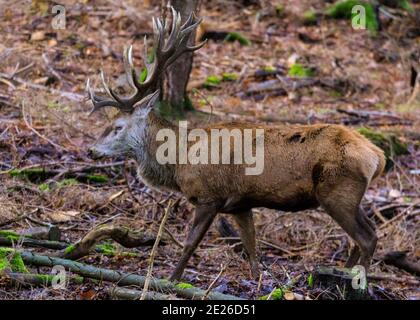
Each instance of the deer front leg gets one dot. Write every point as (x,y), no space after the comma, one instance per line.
(245,223)
(204,216)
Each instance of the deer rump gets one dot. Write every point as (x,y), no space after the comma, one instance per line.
(297,160)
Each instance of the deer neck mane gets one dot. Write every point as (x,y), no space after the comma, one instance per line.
(155,175)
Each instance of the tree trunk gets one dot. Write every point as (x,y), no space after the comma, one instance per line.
(177,76)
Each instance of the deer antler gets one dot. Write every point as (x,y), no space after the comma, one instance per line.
(165,51)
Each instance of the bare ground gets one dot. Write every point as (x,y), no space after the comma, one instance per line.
(44,123)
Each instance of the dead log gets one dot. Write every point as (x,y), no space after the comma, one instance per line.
(121,235)
(123,279)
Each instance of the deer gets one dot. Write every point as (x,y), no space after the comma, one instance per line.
(305,166)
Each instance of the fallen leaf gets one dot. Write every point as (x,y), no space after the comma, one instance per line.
(115,195)
(288,295)
(38,36)
(394,193)
(62,216)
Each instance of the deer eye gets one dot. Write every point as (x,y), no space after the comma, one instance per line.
(117,129)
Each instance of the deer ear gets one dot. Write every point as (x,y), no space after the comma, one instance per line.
(146,104)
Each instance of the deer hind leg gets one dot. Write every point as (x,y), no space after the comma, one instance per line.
(246,227)
(366,223)
(341,199)
(204,216)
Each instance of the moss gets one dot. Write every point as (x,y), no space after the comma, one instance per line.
(97,178)
(17,263)
(46,278)
(68,182)
(13,236)
(44,187)
(212,81)
(184,285)
(33,174)
(269,69)
(229,76)
(299,71)
(310,17)
(279,9)
(388,142)
(277,294)
(106,249)
(11,259)
(310,281)
(69,249)
(236,36)
(404,4)
(343,10)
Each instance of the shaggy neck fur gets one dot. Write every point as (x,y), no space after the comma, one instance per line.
(143,146)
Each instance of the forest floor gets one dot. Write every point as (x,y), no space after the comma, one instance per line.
(44,124)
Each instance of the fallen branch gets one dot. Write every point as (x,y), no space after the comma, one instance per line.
(121,235)
(33,279)
(15,239)
(131,294)
(123,279)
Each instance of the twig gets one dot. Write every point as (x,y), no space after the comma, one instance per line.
(69,95)
(131,294)
(37,133)
(153,253)
(223,268)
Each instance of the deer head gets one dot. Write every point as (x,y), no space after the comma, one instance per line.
(130,122)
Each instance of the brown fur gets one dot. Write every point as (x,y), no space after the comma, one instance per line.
(306,166)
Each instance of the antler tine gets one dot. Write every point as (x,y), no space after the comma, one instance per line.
(98,101)
(127,66)
(176,27)
(109,91)
(190,19)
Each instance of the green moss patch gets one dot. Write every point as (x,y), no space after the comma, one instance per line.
(12,260)
(277,294)
(69,249)
(343,10)
(106,248)
(310,17)
(236,36)
(97,178)
(11,235)
(184,285)
(310,281)
(229,76)
(214,80)
(32,174)
(299,71)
